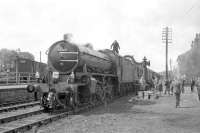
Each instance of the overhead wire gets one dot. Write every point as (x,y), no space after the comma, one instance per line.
(192,7)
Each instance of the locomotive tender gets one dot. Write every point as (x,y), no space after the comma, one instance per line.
(79,75)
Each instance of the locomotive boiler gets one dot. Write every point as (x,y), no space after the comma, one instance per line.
(66,57)
(79,75)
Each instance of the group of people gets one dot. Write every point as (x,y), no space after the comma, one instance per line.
(176,87)
(178,90)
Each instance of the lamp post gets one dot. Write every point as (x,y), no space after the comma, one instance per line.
(16,68)
(145,64)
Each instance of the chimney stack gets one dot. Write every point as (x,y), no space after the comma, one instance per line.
(67,37)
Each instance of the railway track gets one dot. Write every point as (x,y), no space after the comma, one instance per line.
(14,103)
(37,119)
(14,115)
(18,106)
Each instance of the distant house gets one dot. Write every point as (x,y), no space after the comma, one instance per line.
(189,62)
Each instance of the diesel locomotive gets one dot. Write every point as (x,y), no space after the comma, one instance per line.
(79,75)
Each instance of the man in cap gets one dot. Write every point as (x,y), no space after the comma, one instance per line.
(198,87)
(143,85)
(177,87)
(115,46)
(183,85)
(192,85)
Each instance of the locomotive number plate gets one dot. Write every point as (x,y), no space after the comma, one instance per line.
(55,75)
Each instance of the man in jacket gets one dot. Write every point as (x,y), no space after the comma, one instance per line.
(177,87)
(183,85)
(192,85)
(115,46)
(198,88)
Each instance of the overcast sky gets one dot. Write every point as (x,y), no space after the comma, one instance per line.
(34,25)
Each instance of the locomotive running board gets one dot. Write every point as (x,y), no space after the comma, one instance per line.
(69,60)
(100,74)
(66,52)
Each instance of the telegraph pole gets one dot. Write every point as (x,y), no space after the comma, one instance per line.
(40,61)
(170,63)
(40,56)
(167,38)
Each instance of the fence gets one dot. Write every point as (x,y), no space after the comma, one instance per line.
(16,78)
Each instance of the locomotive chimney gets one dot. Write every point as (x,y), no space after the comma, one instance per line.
(67,37)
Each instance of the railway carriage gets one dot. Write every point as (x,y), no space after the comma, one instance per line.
(23,70)
(27,69)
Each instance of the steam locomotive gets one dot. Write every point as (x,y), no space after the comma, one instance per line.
(79,75)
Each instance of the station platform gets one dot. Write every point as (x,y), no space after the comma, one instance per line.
(6,87)
(15,93)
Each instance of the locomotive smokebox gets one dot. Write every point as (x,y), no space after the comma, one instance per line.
(63,56)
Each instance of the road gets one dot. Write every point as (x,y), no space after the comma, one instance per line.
(128,115)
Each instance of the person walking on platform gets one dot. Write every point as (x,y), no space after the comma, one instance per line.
(198,88)
(143,85)
(172,86)
(160,87)
(167,87)
(177,87)
(155,82)
(192,85)
(182,86)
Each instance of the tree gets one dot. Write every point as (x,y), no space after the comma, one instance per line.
(8,58)
(26,55)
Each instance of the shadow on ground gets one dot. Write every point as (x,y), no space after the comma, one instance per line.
(184,121)
(136,101)
(186,107)
(128,106)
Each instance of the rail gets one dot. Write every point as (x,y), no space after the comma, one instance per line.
(9,78)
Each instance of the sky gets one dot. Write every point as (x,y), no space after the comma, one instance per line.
(34,25)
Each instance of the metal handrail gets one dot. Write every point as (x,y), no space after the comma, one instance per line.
(17,78)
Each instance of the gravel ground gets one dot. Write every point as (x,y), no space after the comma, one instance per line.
(130,115)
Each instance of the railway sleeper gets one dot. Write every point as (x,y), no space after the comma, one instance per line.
(45,121)
(16,107)
(21,116)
